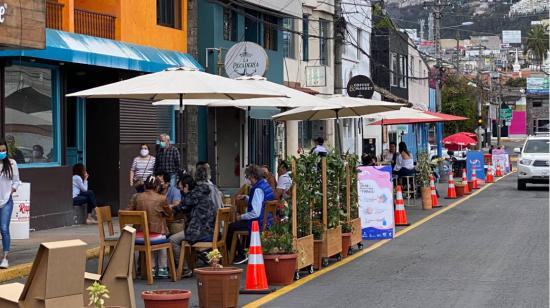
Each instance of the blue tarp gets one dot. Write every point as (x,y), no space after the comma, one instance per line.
(77,48)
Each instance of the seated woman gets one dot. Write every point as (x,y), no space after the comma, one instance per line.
(202,212)
(404,164)
(154,204)
(81,194)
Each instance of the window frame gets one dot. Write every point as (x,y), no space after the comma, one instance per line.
(394,66)
(176,14)
(230,32)
(56,113)
(305,38)
(289,39)
(269,32)
(324,49)
(403,71)
(359,43)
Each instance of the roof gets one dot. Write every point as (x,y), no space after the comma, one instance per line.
(77,48)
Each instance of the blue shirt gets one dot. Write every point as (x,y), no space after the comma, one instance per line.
(173,195)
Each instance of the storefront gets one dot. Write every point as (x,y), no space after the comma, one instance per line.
(49,132)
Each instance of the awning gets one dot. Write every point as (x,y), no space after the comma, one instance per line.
(77,48)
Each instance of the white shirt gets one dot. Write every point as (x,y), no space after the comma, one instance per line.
(79,185)
(284,182)
(7,184)
(403,163)
(320,149)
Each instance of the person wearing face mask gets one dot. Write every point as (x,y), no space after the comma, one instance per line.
(38,154)
(142,167)
(168,159)
(9,182)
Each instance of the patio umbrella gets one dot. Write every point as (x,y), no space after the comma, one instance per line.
(471,135)
(446,117)
(406,116)
(459,139)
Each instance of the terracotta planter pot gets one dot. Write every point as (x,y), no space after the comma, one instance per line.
(346,244)
(166,298)
(280,269)
(471,185)
(459,190)
(218,287)
(426,198)
(317,257)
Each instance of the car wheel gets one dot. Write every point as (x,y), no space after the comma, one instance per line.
(522,185)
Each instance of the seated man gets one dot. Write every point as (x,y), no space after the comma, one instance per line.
(284,183)
(260,192)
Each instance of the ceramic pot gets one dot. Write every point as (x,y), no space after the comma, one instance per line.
(218,287)
(280,269)
(166,298)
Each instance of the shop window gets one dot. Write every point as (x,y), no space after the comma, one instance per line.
(169,13)
(270,32)
(288,38)
(251,25)
(32,115)
(323,42)
(229,25)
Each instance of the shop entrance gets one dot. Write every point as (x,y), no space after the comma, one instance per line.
(229,137)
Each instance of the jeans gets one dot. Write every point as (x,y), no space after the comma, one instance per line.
(86,197)
(5,216)
(175,240)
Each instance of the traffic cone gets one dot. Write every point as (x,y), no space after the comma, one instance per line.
(489,178)
(451,191)
(400,213)
(435,202)
(474,179)
(499,171)
(256,280)
(465,182)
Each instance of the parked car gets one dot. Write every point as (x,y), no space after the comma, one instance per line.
(534,161)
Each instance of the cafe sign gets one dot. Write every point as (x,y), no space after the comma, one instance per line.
(22,24)
(246,59)
(360,86)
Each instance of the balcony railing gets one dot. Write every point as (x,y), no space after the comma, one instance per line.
(54,17)
(94,24)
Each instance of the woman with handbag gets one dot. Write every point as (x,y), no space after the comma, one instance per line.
(142,167)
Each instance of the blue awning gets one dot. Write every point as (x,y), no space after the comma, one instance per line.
(77,48)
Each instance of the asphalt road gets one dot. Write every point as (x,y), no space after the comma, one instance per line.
(490,251)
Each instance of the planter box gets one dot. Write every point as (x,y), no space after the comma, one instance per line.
(459,190)
(305,251)
(317,258)
(356,231)
(332,242)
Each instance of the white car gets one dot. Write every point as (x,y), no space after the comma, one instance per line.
(534,161)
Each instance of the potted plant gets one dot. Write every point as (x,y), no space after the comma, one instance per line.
(218,286)
(279,254)
(346,238)
(98,294)
(423,174)
(166,298)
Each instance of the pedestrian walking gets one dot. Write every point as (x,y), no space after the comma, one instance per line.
(168,158)
(143,166)
(9,182)
(81,194)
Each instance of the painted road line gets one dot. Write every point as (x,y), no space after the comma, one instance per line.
(280,292)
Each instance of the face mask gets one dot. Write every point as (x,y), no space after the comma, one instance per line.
(162,144)
(144,152)
(36,154)
(247,181)
(3,155)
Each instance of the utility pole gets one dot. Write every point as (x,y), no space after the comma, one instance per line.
(339,30)
(500,102)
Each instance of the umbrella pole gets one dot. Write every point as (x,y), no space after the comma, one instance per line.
(180,126)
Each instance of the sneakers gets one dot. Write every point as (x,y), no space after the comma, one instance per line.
(4,263)
(187,274)
(91,221)
(240,259)
(162,272)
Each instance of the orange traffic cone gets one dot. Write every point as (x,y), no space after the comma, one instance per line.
(256,280)
(400,213)
(435,202)
(465,182)
(451,191)
(499,170)
(489,178)
(474,179)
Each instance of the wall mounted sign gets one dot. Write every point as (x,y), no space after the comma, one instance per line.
(246,59)
(316,76)
(360,86)
(22,24)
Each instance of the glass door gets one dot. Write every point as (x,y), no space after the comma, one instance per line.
(76,130)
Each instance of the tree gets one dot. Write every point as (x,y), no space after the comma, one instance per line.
(459,98)
(516,83)
(537,43)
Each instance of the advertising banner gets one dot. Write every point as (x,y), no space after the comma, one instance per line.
(537,85)
(375,190)
(475,160)
(21,214)
(504,161)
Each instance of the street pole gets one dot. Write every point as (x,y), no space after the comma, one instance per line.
(499,124)
(338,51)
(457,52)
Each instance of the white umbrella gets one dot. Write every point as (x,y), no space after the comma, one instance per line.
(294,98)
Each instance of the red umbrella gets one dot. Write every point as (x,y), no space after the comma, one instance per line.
(459,139)
(471,135)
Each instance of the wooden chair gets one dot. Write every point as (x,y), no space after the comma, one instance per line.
(103,214)
(55,279)
(117,276)
(269,207)
(139,218)
(223,218)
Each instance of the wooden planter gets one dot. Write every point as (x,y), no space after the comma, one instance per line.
(426,198)
(459,190)
(332,242)
(317,258)
(356,232)
(305,251)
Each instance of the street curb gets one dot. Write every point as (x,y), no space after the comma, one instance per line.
(23,270)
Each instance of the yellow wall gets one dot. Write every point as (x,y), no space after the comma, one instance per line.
(136,22)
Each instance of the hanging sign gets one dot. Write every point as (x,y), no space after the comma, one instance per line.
(375,190)
(475,160)
(246,59)
(360,86)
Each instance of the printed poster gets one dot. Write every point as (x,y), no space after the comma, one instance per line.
(375,190)
(475,159)
(504,161)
